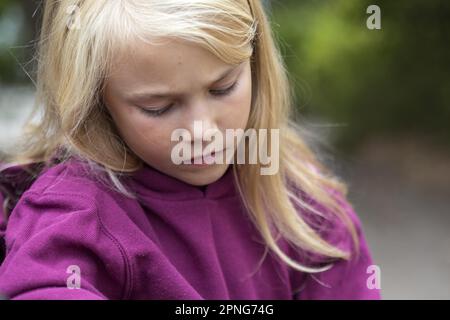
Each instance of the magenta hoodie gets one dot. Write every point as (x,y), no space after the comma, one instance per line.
(72,237)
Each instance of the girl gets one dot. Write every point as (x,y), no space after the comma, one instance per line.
(94,206)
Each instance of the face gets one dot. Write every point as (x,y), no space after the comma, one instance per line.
(157,89)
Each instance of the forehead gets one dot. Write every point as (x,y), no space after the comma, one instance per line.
(172,63)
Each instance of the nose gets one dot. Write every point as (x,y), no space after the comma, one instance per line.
(202,124)
(202,132)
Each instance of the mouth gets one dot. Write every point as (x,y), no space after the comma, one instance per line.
(205,159)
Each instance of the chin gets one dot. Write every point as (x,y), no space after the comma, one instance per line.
(203,176)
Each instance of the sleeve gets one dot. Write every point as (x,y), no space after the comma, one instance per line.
(57,248)
(354,279)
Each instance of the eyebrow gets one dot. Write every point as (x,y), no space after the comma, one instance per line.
(150,95)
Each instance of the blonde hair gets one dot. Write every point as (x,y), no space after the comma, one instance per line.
(73,63)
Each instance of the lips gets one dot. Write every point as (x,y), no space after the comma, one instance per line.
(209,157)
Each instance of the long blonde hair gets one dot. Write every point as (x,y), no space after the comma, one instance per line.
(75,55)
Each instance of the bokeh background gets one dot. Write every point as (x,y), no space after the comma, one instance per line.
(377,104)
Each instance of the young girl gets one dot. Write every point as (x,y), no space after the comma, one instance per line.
(94,205)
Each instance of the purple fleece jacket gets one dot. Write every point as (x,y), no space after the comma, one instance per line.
(176,241)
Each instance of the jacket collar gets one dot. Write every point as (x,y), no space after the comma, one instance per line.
(151,182)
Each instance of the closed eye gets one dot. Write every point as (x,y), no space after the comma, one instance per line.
(160,111)
(156,112)
(224,92)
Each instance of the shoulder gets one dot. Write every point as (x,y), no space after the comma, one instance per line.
(327,222)
(66,194)
(71,177)
(340,229)
(71,186)
(346,279)
(59,221)
(64,191)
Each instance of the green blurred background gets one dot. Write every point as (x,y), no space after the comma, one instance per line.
(375,81)
(380,99)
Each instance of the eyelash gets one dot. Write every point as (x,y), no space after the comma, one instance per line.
(159,112)
(226,91)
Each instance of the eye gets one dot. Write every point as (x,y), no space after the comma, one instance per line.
(224,92)
(155,112)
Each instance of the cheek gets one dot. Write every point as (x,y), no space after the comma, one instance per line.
(147,137)
(238,106)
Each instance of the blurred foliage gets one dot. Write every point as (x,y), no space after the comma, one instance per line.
(372,81)
(18,30)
